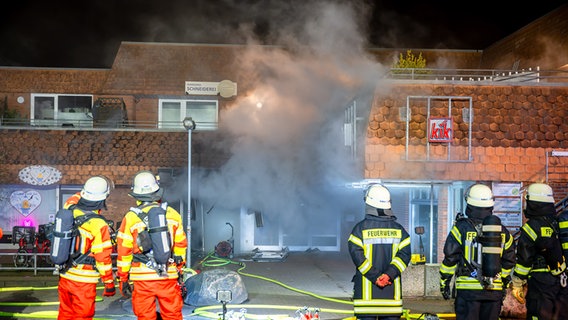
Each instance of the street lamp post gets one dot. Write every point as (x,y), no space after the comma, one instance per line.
(189,125)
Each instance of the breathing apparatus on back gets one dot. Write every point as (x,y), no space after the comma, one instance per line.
(155,241)
(540,205)
(484,260)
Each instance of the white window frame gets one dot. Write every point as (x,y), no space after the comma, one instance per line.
(75,119)
(205,120)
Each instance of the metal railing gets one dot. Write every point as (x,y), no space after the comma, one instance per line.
(33,264)
(561,205)
(477,75)
(126,125)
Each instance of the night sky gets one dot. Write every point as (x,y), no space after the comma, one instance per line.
(87,34)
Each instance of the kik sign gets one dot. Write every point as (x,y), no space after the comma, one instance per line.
(440,129)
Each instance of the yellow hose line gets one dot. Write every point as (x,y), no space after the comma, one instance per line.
(243,266)
(30,304)
(223,261)
(202,310)
(38,315)
(9,289)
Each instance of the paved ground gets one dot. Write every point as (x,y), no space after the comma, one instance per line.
(275,288)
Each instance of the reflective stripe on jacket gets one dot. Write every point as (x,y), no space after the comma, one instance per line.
(127,236)
(377,245)
(95,238)
(530,259)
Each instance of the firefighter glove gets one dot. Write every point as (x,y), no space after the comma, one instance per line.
(517,289)
(561,267)
(125,288)
(445,288)
(110,290)
(383,280)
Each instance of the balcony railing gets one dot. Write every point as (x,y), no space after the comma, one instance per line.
(125,125)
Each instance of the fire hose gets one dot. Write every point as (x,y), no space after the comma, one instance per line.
(206,310)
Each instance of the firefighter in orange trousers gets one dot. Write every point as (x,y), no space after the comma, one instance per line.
(77,287)
(380,249)
(150,284)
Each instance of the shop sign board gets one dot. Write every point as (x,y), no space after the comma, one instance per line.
(440,129)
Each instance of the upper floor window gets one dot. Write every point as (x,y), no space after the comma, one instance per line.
(62,110)
(203,112)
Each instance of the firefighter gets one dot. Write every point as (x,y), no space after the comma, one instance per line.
(540,263)
(74,199)
(562,298)
(481,270)
(147,284)
(380,249)
(77,287)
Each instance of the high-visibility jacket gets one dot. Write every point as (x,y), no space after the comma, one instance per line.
(96,241)
(538,256)
(562,297)
(563,232)
(377,245)
(72,200)
(127,237)
(537,243)
(461,257)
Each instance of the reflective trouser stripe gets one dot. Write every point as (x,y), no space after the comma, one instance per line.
(378,306)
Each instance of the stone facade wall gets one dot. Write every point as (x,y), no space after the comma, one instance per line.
(514,128)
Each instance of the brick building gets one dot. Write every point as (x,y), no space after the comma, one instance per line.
(286,139)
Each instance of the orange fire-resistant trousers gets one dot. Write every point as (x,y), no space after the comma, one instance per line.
(76,300)
(168,294)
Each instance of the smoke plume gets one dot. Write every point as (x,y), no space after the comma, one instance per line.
(288,152)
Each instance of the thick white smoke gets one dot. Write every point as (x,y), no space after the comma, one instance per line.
(286,134)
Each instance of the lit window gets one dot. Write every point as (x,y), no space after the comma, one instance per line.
(62,110)
(203,112)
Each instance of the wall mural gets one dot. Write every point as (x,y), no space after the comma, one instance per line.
(25,201)
(39,175)
(26,206)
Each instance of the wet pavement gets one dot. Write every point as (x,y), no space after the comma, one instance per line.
(286,287)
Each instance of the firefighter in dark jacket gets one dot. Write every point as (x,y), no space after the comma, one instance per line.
(380,249)
(540,262)
(481,266)
(562,298)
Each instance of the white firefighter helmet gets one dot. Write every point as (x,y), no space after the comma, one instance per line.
(145,182)
(95,189)
(479,195)
(540,192)
(378,196)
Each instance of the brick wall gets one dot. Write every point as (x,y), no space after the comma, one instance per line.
(543,43)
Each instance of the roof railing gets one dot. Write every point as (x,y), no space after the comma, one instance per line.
(479,75)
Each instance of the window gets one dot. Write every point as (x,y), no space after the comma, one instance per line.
(203,112)
(62,110)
